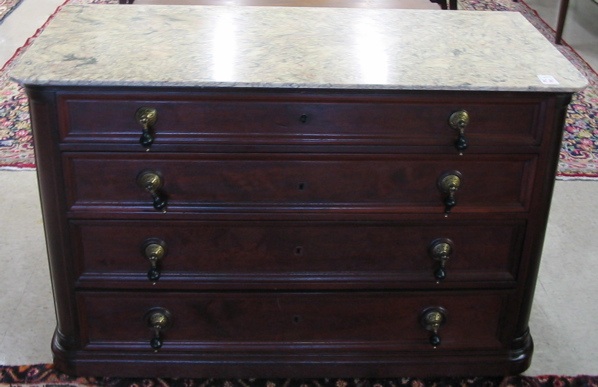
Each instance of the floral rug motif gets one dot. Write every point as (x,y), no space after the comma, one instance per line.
(16,139)
(6,7)
(579,152)
(44,375)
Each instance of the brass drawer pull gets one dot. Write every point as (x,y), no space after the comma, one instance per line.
(158,320)
(449,183)
(154,250)
(432,319)
(458,121)
(147,118)
(152,183)
(440,250)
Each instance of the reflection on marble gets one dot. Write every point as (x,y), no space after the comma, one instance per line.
(229,46)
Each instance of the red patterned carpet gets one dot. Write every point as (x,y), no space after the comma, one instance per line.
(579,152)
(44,375)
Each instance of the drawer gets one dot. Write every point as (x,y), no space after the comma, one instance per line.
(274,254)
(302,118)
(299,182)
(286,322)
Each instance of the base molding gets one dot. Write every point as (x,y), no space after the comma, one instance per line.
(441,363)
(522,350)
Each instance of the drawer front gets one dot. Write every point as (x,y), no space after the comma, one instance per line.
(283,321)
(256,182)
(302,118)
(201,254)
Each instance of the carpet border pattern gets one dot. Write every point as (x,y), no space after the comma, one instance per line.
(16,138)
(579,150)
(45,375)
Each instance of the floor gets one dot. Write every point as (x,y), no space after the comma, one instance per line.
(565,312)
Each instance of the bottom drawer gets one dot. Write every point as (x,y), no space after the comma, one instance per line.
(293,321)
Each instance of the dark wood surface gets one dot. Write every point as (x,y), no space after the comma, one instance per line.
(294,323)
(560,24)
(297,254)
(297,183)
(192,119)
(291,254)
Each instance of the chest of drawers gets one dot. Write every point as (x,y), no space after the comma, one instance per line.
(293,231)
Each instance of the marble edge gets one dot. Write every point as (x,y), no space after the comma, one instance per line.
(208,84)
(25,78)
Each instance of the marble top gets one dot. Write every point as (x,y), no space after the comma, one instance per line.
(232,46)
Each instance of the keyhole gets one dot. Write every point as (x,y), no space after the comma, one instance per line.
(303,118)
(301,186)
(299,250)
(296,319)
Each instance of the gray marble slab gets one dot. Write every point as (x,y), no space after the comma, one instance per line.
(228,46)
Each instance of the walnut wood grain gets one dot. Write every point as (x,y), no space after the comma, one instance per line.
(290,257)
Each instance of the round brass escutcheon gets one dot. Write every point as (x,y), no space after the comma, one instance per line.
(149,180)
(450,182)
(158,319)
(154,251)
(146,117)
(459,120)
(433,318)
(441,249)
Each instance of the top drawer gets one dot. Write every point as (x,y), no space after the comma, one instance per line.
(300,118)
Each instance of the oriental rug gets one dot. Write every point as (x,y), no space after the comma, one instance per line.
(6,7)
(16,139)
(579,151)
(44,375)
